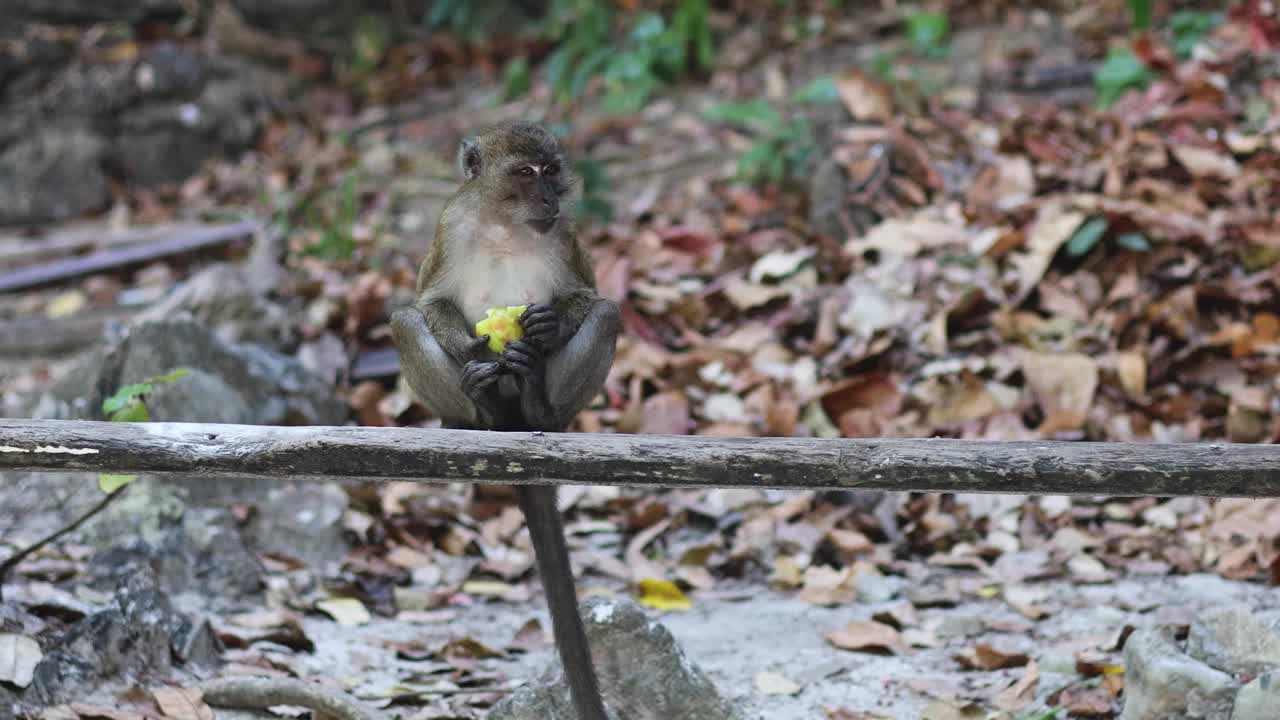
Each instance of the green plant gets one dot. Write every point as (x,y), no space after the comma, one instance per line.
(337,240)
(927,33)
(1120,72)
(781,146)
(1140,14)
(654,52)
(595,183)
(127,405)
(1189,27)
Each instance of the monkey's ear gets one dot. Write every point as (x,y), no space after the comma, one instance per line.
(469,157)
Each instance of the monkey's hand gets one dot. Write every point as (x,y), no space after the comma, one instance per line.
(479,384)
(541,325)
(529,365)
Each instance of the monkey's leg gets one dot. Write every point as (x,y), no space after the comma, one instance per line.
(461,395)
(541,514)
(556,387)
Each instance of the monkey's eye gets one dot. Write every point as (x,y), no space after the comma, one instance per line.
(526,171)
(551,170)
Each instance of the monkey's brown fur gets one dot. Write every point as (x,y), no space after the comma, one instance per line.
(504,239)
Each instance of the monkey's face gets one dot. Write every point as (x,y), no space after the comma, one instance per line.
(536,185)
(522,173)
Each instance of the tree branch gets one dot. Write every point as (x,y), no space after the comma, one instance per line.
(369,453)
(255,693)
(12,561)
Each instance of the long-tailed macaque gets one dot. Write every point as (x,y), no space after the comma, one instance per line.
(504,239)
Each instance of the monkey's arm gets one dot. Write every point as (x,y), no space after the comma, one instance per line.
(442,363)
(559,383)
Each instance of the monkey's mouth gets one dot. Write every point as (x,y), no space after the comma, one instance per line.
(543,225)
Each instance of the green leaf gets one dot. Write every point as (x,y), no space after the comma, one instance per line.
(1140,13)
(516,77)
(169,377)
(745,113)
(109,483)
(1136,242)
(821,90)
(1121,71)
(135,411)
(1086,237)
(123,397)
(926,31)
(648,27)
(1189,28)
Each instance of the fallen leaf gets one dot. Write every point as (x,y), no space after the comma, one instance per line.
(868,636)
(1203,162)
(663,595)
(1064,385)
(1131,368)
(1085,701)
(826,586)
(468,648)
(489,588)
(182,703)
(778,265)
(67,304)
(1021,693)
(348,612)
(986,657)
(1053,225)
(774,683)
(865,98)
(746,295)
(19,656)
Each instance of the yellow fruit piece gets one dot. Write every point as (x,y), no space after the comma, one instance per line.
(502,325)
(663,595)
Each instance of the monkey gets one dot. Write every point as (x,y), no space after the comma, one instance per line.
(508,237)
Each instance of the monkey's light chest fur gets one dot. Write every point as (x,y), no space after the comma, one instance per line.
(508,266)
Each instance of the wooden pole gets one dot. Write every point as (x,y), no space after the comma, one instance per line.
(368,453)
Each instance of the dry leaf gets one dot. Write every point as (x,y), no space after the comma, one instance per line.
(663,595)
(826,586)
(986,657)
(868,636)
(345,611)
(866,99)
(1131,368)
(182,703)
(1053,225)
(1203,162)
(774,683)
(1064,385)
(1021,693)
(19,656)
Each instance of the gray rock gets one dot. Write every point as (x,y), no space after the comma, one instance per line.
(68,122)
(643,673)
(1259,700)
(187,548)
(167,70)
(226,298)
(232,382)
(8,704)
(52,175)
(303,521)
(139,638)
(1164,683)
(1236,639)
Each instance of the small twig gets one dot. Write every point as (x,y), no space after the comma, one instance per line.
(12,561)
(256,693)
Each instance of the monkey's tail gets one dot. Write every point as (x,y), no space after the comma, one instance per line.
(542,515)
